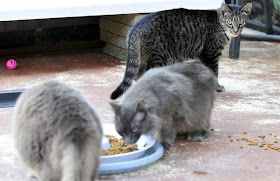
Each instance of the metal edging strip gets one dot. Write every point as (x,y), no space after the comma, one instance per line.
(9,98)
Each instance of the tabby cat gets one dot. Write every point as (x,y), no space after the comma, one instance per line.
(57,133)
(166,101)
(167,37)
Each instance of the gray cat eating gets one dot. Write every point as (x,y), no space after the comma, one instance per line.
(167,101)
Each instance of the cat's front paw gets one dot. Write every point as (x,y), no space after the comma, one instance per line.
(166,146)
(197,136)
(221,88)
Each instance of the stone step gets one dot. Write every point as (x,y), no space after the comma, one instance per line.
(114,30)
(115,51)
(114,27)
(127,19)
(113,39)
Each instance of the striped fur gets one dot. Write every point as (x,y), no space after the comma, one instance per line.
(166,37)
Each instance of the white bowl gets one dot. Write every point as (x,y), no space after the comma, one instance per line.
(143,144)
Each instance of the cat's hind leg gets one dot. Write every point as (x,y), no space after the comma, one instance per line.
(220,88)
(197,136)
(210,57)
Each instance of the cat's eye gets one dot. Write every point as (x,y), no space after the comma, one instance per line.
(228,22)
(242,23)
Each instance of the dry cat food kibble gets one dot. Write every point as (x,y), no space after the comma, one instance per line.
(118,146)
(263,141)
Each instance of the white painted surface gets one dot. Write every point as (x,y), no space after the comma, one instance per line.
(41,9)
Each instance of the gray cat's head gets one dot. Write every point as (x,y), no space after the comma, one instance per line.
(234,18)
(131,121)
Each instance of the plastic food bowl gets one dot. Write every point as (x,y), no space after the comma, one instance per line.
(151,155)
(143,144)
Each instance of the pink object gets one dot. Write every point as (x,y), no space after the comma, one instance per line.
(11,64)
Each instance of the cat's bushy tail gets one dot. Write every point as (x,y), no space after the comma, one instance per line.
(71,163)
(80,164)
(132,64)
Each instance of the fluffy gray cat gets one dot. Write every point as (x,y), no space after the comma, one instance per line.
(166,101)
(57,133)
(166,37)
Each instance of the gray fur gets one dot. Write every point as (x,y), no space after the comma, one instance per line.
(57,133)
(166,101)
(166,37)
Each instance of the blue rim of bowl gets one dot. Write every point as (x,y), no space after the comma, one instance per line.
(120,167)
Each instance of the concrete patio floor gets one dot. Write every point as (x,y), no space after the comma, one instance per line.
(251,103)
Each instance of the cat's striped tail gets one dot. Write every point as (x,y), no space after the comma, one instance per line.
(132,64)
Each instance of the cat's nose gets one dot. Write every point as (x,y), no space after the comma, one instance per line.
(235,30)
(128,140)
(235,27)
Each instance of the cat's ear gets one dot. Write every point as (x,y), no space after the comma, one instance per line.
(224,8)
(115,106)
(141,107)
(247,9)
(139,116)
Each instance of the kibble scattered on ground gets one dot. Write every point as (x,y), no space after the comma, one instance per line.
(261,141)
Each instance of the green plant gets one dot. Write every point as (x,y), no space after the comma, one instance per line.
(277,5)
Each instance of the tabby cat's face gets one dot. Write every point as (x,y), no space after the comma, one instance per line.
(234,18)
